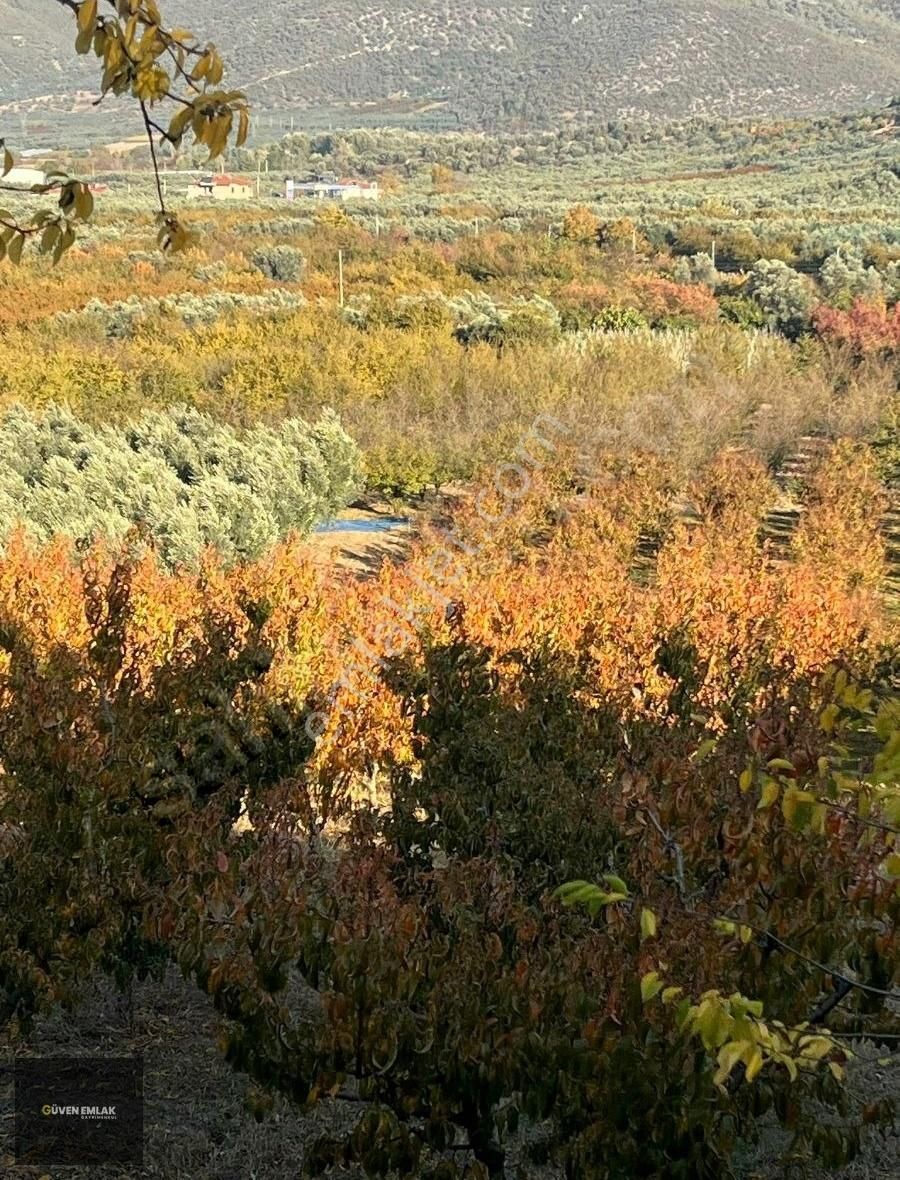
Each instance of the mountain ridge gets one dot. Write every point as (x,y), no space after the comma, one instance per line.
(533,63)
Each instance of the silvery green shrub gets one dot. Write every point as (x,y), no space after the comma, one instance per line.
(282,264)
(844,277)
(358,311)
(189,481)
(118,320)
(479,319)
(696,268)
(284,227)
(620,319)
(211,272)
(785,297)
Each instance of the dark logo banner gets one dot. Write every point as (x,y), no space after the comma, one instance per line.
(79,1110)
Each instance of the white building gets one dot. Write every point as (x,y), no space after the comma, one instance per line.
(25,177)
(328,190)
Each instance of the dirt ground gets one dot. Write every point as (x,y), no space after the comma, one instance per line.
(362,553)
(196,1127)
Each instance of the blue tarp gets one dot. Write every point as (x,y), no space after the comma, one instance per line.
(379,525)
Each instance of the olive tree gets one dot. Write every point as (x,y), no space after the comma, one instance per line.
(784,296)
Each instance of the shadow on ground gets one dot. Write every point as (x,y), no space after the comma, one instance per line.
(196,1125)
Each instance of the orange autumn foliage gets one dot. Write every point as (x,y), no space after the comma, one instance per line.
(868,328)
(552,570)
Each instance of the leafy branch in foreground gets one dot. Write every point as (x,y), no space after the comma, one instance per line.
(158,67)
(733,1027)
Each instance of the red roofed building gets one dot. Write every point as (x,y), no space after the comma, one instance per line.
(222,187)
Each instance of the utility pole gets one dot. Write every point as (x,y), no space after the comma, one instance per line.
(714,253)
(377,226)
(341,275)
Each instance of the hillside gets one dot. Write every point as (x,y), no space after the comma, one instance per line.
(483,64)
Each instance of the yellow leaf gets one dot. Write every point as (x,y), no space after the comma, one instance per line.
(754,1062)
(200,69)
(651,985)
(713,1023)
(836,1071)
(87,23)
(746,780)
(770,792)
(648,924)
(87,16)
(180,122)
(130,32)
(729,1055)
(704,749)
(218,138)
(216,69)
(816,1048)
(828,717)
(243,126)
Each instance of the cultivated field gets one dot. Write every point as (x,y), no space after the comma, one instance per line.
(550,831)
